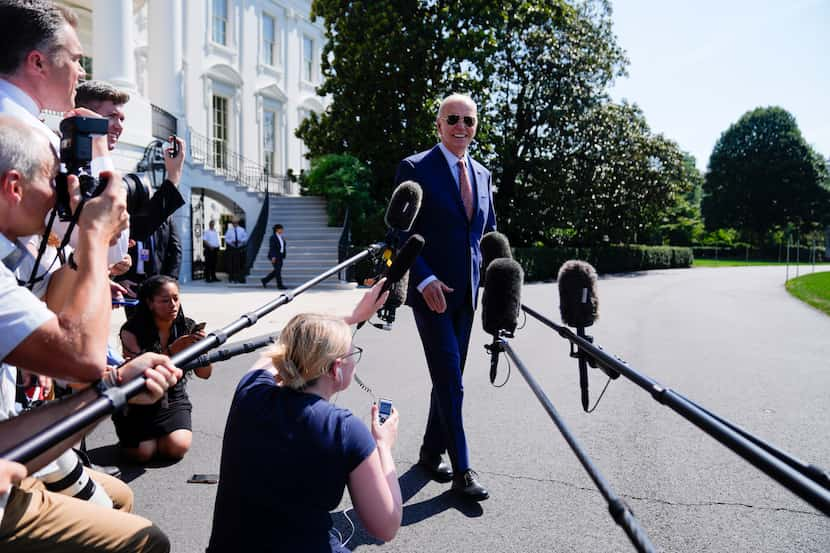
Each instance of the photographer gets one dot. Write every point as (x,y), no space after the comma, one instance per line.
(69,344)
(40,66)
(157,248)
(288,452)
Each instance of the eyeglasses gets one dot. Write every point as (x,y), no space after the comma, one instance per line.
(469,120)
(358,352)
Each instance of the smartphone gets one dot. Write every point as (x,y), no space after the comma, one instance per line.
(132,302)
(203,479)
(384,409)
(174,146)
(198,327)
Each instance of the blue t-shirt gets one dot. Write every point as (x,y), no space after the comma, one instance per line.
(286,459)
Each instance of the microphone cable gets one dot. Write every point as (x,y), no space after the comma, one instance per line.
(506,378)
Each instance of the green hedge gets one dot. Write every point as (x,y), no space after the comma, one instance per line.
(544,263)
(766,253)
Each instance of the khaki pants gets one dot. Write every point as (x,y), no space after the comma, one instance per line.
(37,520)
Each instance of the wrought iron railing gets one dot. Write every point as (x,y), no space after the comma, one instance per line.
(217,156)
(344,246)
(257,234)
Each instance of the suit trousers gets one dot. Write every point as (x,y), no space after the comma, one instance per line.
(446,338)
(37,520)
(277,272)
(210,263)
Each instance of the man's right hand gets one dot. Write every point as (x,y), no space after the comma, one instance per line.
(174,164)
(434,295)
(106,213)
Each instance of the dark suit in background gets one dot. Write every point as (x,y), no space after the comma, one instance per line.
(276,255)
(164,249)
(451,254)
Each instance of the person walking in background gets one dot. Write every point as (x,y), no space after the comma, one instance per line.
(236,239)
(456,210)
(276,253)
(210,243)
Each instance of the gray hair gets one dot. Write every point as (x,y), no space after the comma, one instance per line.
(27,25)
(454,98)
(22,148)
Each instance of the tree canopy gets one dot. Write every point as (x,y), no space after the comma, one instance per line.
(569,165)
(762,174)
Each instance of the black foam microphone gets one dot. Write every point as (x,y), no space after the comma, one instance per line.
(397,297)
(500,304)
(403,206)
(405,258)
(494,245)
(578,305)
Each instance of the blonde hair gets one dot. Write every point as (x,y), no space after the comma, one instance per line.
(307,347)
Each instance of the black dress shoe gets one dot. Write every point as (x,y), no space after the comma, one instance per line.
(467,485)
(436,467)
(264,284)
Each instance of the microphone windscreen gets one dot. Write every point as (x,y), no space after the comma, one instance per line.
(404,206)
(494,245)
(406,256)
(398,293)
(578,303)
(502,297)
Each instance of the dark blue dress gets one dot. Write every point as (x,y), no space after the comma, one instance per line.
(286,459)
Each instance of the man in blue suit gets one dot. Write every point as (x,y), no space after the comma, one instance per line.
(276,253)
(457,209)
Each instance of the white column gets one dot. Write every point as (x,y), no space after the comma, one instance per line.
(112,42)
(164,59)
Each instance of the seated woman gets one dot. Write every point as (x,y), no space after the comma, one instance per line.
(288,452)
(162,429)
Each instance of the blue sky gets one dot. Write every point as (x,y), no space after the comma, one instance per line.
(697,65)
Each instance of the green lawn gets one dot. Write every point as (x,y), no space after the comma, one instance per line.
(740,263)
(813,289)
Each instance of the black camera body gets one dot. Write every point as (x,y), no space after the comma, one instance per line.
(76,155)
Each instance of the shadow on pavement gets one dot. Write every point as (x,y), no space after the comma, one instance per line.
(411,482)
(110,455)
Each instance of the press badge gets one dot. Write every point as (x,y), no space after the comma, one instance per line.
(145,254)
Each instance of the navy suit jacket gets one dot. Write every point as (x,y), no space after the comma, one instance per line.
(274,248)
(452,252)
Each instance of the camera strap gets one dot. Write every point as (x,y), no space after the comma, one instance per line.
(34,278)
(44,241)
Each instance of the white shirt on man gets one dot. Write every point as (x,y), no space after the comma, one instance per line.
(236,236)
(18,104)
(211,237)
(21,313)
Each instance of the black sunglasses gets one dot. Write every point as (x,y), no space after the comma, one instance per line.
(469,120)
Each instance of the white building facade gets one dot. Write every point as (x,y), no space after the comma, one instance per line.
(233,77)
